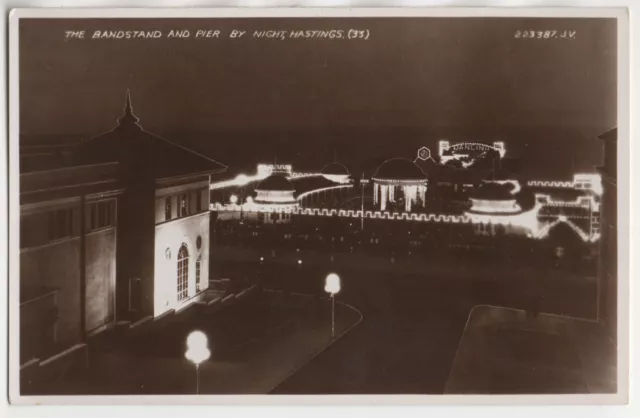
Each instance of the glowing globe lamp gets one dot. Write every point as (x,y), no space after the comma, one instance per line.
(332,284)
(197,352)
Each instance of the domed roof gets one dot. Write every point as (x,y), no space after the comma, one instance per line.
(335,169)
(494,191)
(399,169)
(276,182)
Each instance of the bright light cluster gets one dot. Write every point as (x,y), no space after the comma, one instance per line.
(584,202)
(304,195)
(516,184)
(544,232)
(444,145)
(483,211)
(526,220)
(494,206)
(242,179)
(583,181)
(197,348)
(274,196)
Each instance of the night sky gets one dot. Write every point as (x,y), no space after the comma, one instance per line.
(421,73)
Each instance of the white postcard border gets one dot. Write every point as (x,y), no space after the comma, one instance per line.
(623,209)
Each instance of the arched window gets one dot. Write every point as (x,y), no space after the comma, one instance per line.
(198,261)
(183,272)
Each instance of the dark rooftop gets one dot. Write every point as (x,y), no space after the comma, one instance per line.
(129,143)
(335,168)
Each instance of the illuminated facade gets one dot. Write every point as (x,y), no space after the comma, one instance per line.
(587,182)
(399,183)
(275,190)
(464,150)
(116,230)
(399,187)
(494,210)
(68,242)
(162,258)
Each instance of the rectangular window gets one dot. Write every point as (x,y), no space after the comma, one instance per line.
(93,217)
(183,205)
(167,209)
(198,275)
(193,208)
(183,275)
(34,230)
(198,201)
(60,224)
(101,215)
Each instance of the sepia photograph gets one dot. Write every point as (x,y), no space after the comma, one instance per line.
(305,204)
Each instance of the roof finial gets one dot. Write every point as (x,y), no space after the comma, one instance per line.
(128,117)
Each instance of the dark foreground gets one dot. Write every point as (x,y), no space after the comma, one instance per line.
(413,320)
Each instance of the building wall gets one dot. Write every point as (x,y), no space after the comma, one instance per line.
(57,265)
(170,236)
(608,262)
(608,294)
(135,268)
(100,276)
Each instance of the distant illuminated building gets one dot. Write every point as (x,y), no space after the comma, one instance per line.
(265,170)
(399,180)
(274,200)
(475,189)
(275,190)
(494,208)
(467,152)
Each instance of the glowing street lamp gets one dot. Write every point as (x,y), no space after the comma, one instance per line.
(332,286)
(197,352)
(242,179)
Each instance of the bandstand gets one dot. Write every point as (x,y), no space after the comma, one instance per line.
(399,180)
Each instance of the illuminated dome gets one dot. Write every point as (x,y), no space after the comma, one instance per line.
(275,190)
(398,181)
(494,198)
(399,170)
(336,172)
(276,182)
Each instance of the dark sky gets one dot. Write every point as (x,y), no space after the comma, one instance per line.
(411,73)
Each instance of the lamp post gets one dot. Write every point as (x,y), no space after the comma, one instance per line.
(332,286)
(362,202)
(233,199)
(197,352)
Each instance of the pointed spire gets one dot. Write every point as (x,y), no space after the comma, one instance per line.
(128,117)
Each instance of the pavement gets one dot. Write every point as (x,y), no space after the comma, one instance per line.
(415,312)
(255,346)
(510,351)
